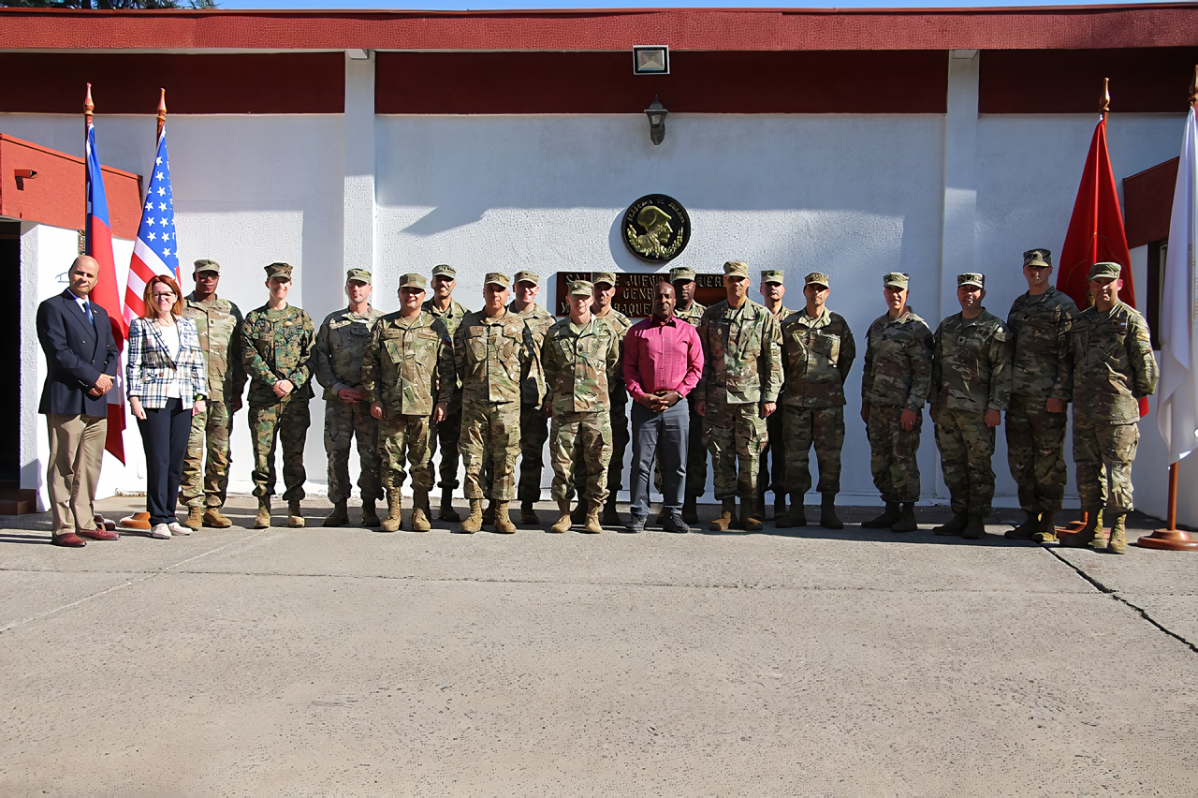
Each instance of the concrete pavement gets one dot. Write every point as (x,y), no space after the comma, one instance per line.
(317,661)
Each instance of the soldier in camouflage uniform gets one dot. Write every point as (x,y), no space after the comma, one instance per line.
(580,357)
(490,350)
(340,346)
(683,280)
(742,376)
(217,321)
(277,342)
(772,291)
(894,387)
(447,434)
(1042,366)
(407,368)
(971,388)
(817,352)
(1113,368)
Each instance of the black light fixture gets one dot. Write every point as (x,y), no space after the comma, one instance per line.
(657,121)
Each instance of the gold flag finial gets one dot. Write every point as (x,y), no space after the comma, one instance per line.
(1106,96)
(161,111)
(88,105)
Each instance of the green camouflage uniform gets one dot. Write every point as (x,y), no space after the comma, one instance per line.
(534,427)
(898,375)
(340,346)
(277,345)
(405,366)
(618,404)
(489,356)
(1041,368)
(817,354)
(448,433)
(217,321)
(696,455)
(774,480)
(1113,366)
(580,362)
(742,369)
(971,373)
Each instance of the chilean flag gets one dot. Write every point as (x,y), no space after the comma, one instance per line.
(99,246)
(156,250)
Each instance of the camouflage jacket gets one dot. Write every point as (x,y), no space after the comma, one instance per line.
(1042,360)
(340,346)
(277,345)
(693,314)
(580,362)
(218,323)
(817,354)
(1113,364)
(620,324)
(407,363)
(898,362)
(971,364)
(452,317)
(537,322)
(489,357)
(742,355)
(781,313)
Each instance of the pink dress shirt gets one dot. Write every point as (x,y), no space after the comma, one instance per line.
(662,357)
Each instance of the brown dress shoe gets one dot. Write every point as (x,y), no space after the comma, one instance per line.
(97,534)
(68,539)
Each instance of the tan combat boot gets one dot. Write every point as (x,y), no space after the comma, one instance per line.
(420,512)
(1026,530)
(489,513)
(394,511)
(195,517)
(563,522)
(503,521)
(592,525)
(886,520)
(339,516)
(214,518)
(295,514)
(370,516)
(952,528)
(262,519)
(1046,531)
(447,512)
(974,529)
(906,520)
(474,521)
(752,507)
(724,522)
(1118,542)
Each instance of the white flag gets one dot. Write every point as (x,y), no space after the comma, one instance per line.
(1177,410)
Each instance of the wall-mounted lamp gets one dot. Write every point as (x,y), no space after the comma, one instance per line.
(651,59)
(657,121)
(27,174)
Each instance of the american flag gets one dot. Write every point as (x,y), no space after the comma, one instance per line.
(155,251)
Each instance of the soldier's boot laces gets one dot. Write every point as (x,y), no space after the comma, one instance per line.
(214,518)
(690,513)
(611,515)
(954,527)
(1046,530)
(474,521)
(370,516)
(447,512)
(884,521)
(1087,535)
(420,512)
(1118,542)
(489,513)
(906,520)
(750,514)
(827,512)
(503,521)
(974,529)
(562,524)
(1025,531)
(339,516)
(295,514)
(592,525)
(195,517)
(394,511)
(262,519)
(528,514)
(724,522)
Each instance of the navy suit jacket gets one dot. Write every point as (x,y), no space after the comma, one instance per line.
(77,353)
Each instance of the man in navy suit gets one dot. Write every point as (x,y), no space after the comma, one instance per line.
(81,359)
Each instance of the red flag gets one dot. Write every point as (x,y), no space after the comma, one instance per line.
(1096,233)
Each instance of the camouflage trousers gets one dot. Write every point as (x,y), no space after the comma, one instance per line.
(1103,453)
(285,419)
(448,434)
(696,458)
(534,431)
(774,448)
(620,437)
(207,485)
(966,447)
(342,422)
(1035,453)
(406,440)
(802,428)
(892,453)
(735,436)
(580,438)
(490,432)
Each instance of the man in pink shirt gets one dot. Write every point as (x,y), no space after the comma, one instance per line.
(663,360)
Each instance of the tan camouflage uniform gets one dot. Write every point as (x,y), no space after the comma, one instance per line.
(534,427)
(618,404)
(448,433)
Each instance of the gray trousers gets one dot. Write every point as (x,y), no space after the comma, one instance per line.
(665,434)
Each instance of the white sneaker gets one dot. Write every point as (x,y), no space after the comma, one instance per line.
(179,529)
(160,531)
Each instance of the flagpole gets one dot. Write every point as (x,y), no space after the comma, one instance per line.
(161,114)
(89,109)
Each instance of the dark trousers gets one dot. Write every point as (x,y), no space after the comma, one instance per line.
(164,434)
(666,434)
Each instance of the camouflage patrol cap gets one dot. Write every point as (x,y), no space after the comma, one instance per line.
(499,279)
(445,270)
(413,280)
(605,277)
(971,278)
(772,276)
(680,274)
(282,270)
(581,288)
(736,268)
(816,278)
(1038,258)
(1100,271)
(896,280)
(360,275)
(206,265)
(528,277)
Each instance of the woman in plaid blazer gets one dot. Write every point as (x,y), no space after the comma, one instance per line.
(167,385)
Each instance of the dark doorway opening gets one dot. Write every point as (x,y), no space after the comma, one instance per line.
(12,500)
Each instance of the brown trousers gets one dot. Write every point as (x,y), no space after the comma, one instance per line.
(76,452)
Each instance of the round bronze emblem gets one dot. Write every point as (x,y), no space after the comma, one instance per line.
(656,228)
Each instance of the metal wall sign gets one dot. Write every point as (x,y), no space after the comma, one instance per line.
(656,228)
(634,292)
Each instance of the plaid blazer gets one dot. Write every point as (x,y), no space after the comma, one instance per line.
(150,371)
